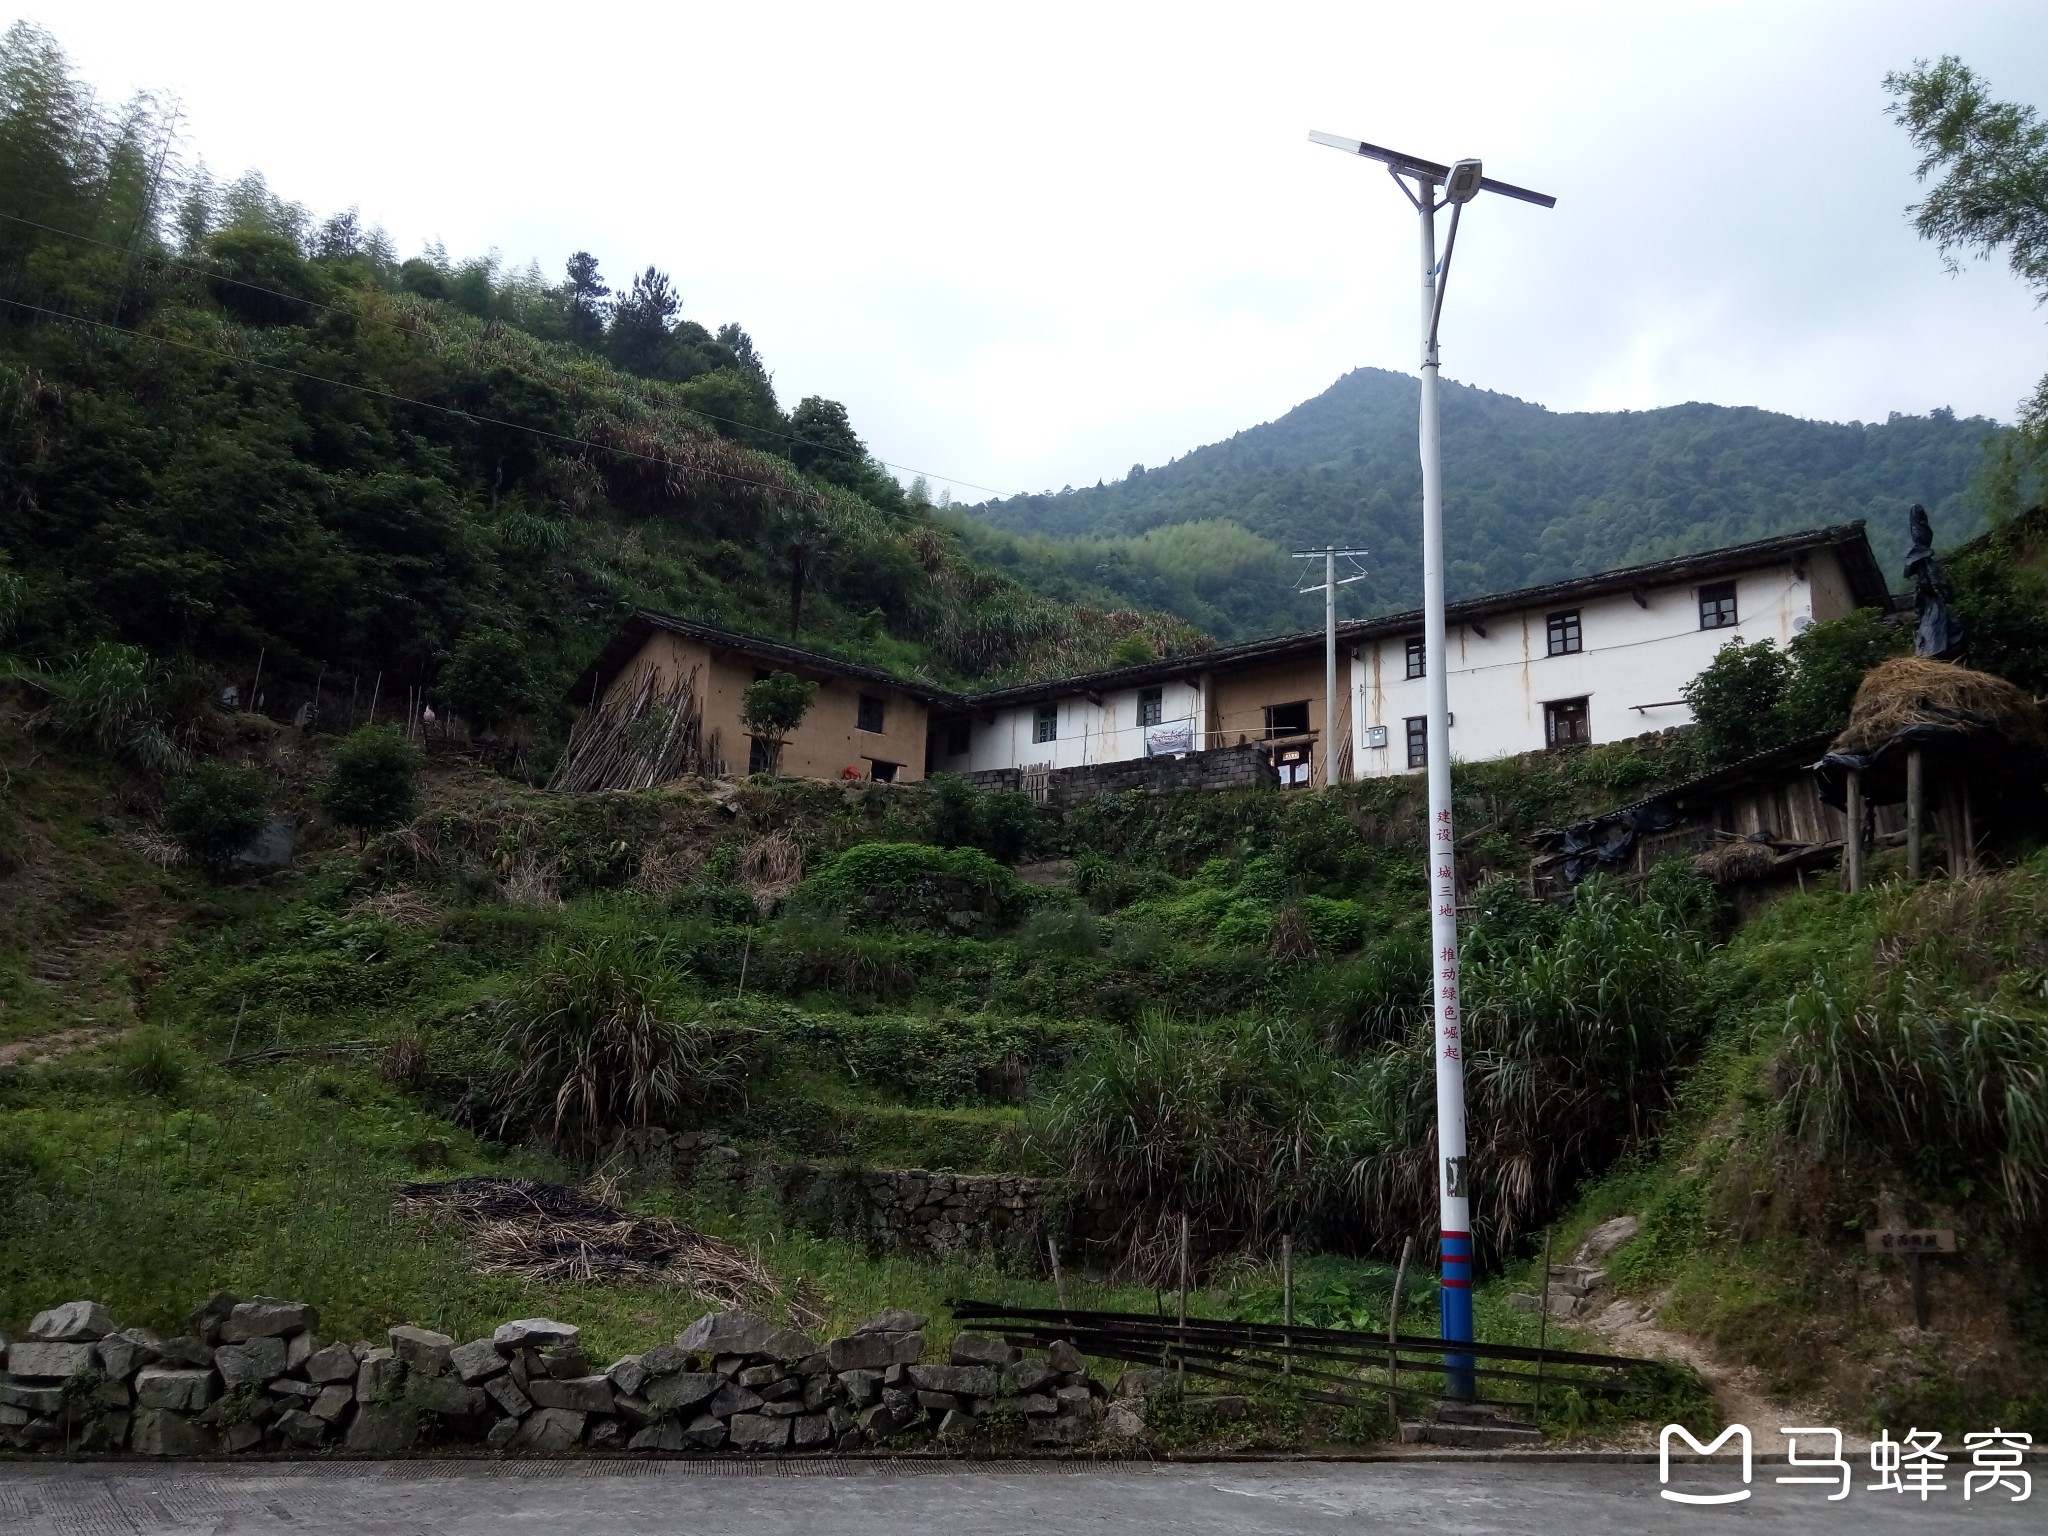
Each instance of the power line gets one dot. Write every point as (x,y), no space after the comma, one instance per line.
(299,298)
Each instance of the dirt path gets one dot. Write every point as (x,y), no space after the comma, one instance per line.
(63,1042)
(1740,1392)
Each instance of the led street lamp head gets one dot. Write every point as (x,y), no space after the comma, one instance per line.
(1464,182)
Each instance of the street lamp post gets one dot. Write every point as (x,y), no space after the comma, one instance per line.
(1460,183)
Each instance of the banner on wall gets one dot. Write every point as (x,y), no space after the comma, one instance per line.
(1170,738)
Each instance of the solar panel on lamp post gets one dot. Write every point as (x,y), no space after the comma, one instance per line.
(1461,182)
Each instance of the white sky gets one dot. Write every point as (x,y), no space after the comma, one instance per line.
(1032,245)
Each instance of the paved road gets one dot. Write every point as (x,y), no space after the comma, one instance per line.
(710,1498)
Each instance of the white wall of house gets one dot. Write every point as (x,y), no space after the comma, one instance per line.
(1636,659)
(1086,732)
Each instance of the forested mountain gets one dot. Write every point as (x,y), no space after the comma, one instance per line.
(1531,495)
(230,429)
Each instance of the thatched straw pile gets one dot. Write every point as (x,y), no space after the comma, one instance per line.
(1732,863)
(1910,691)
(551,1233)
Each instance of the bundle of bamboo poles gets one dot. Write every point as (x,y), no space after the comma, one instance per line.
(636,737)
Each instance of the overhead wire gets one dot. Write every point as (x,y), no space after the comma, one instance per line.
(297,298)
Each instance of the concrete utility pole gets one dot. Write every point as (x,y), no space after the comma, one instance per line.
(1329,557)
(1460,182)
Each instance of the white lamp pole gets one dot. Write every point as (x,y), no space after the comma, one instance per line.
(1461,182)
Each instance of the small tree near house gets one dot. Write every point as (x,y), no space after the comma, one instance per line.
(771,708)
(374,783)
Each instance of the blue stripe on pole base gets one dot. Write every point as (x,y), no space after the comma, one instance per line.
(1455,1300)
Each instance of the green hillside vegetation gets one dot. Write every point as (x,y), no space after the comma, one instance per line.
(227,429)
(1531,495)
(1210,1004)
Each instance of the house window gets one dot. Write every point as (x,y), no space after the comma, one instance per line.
(1564,633)
(883,773)
(870,712)
(1418,658)
(1045,726)
(1566,722)
(1151,706)
(1717,605)
(1418,741)
(958,738)
(1294,767)
(1287,719)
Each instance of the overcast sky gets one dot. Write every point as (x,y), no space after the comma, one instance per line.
(1032,245)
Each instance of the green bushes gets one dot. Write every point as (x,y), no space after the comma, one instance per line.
(1001,823)
(961,891)
(374,782)
(595,1043)
(216,812)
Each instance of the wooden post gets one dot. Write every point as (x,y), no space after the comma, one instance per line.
(1543,1326)
(1059,1281)
(1919,1274)
(1181,1363)
(1916,798)
(1287,1301)
(1394,1328)
(255,687)
(1852,841)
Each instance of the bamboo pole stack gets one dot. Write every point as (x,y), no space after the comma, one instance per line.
(635,737)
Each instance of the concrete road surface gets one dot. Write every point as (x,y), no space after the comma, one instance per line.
(711,1498)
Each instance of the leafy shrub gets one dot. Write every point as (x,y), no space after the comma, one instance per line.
(488,679)
(913,886)
(1001,823)
(374,782)
(1753,697)
(1065,928)
(594,1043)
(1245,924)
(217,812)
(1338,926)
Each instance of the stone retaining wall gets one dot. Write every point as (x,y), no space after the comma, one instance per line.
(927,1213)
(257,1375)
(1243,767)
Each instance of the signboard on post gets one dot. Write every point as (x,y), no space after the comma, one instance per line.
(1895,1240)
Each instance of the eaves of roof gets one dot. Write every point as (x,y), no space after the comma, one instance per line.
(1848,540)
(634,633)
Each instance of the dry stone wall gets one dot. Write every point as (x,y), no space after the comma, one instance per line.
(930,1213)
(257,1375)
(1249,766)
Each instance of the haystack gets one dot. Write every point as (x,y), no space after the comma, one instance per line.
(1733,863)
(1967,723)
(1910,693)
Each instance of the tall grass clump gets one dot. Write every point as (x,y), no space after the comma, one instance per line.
(597,1042)
(1935,1057)
(1228,1122)
(1572,1044)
